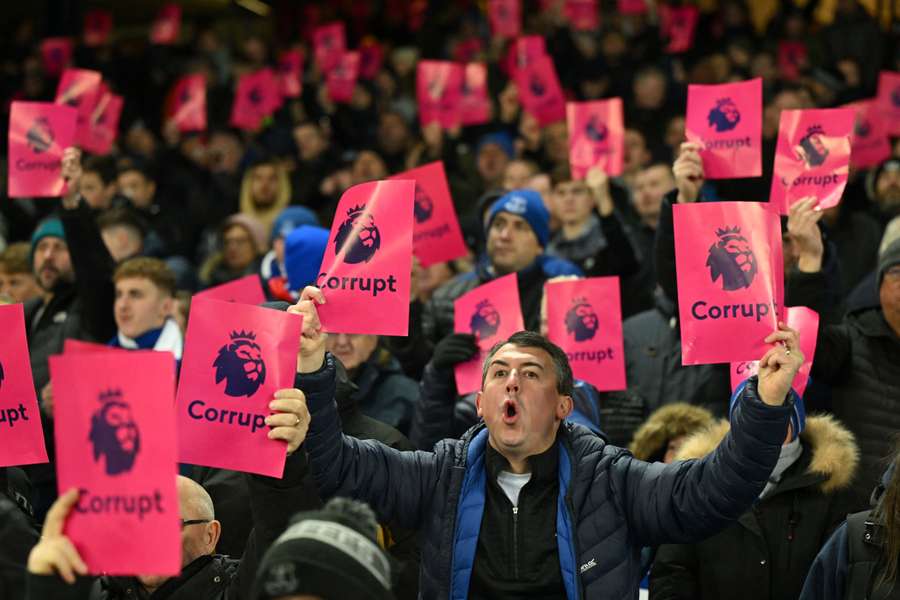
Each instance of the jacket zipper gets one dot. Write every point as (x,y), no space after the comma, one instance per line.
(516,542)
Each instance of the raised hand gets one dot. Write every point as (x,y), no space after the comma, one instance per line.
(56,553)
(779,366)
(598,182)
(312,341)
(290,421)
(688,170)
(71,174)
(805,235)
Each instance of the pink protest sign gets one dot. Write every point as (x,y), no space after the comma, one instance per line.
(596,136)
(806,322)
(103,126)
(115,442)
(505,17)
(38,134)
(540,92)
(20,417)
(889,100)
(812,157)
(791,57)
(246,290)
(467,50)
(56,53)
(365,273)
(474,103)
(290,73)
(436,233)
(583,15)
(371,57)
(186,104)
(255,99)
(491,312)
(438,90)
(98,25)
(584,318)
(726,257)
(632,7)
(80,89)
(524,51)
(235,358)
(726,120)
(166,27)
(871,145)
(341,79)
(678,25)
(71,346)
(329,43)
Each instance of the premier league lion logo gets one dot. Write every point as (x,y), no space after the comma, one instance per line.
(40,136)
(724,116)
(241,365)
(423,206)
(812,149)
(367,239)
(895,97)
(537,86)
(255,96)
(484,321)
(732,259)
(862,128)
(595,131)
(581,320)
(114,433)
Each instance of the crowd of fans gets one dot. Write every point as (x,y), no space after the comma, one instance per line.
(168,214)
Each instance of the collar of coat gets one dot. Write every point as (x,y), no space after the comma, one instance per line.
(833,449)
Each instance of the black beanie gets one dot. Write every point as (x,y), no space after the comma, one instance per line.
(327,553)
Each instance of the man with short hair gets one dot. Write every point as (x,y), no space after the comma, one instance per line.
(163,216)
(145,295)
(17,281)
(98,185)
(122,232)
(525,505)
(591,234)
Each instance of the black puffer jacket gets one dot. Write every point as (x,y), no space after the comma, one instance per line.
(860,359)
(768,552)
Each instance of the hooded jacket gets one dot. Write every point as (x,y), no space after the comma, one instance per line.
(609,504)
(664,425)
(768,551)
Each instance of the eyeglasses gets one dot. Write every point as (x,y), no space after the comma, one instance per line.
(185,523)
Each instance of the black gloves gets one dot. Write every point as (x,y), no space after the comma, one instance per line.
(454,349)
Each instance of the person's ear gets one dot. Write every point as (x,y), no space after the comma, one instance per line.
(213,533)
(168,306)
(564,407)
(478,410)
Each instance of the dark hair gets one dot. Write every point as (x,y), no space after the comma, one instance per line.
(104,166)
(122,217)
(530,339)
(887,512)
(145,168)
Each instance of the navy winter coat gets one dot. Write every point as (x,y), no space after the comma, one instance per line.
(610,504)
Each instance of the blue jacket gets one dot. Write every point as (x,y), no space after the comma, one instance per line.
(610,504)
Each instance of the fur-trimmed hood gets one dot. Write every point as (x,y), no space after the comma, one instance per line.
(666,423)
(834,450)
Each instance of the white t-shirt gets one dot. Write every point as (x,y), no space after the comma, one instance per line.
(512,484)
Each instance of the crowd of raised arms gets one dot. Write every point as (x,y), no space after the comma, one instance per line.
(487,299)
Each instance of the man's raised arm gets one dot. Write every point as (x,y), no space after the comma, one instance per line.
(398,485)
(687,501)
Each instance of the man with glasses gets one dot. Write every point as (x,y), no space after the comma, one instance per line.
(204,574)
